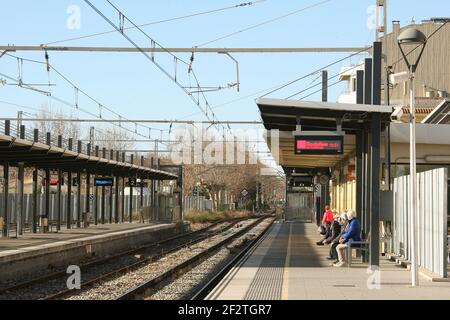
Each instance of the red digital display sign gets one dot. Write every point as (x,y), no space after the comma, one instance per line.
(319,145)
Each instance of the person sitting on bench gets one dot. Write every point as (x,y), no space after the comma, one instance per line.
(343,225)
(327,234)
(335,230)
(352,234)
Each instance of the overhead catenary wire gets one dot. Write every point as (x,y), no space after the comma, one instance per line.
(62,101)
(358,65)
(275,88)
(77,90)
(196,14)
(319,83)
(263,23)
(315,72)
(197,100)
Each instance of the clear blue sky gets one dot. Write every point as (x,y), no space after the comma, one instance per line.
(137,89)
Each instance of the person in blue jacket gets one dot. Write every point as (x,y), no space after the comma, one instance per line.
(353,234)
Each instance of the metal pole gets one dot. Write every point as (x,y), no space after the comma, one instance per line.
(413,183)
(360,87)
(368,81)
(20,206)
(375,191)
(69,193)
(5,195)
(116,201)
(19,122)
(88,186)
(96,195)
(376,79)
(359,174)
(60,178)
(157,190)
(35,199)
(79,199)
(47,199)
(181,193)
(102,218)
(35,189)
(152,191)
(131,195)
(324,85)
(142,192)
(103,194)
(122,220)
(44,218)
(79,173)
(122,207)
(110,220)
(186,50)
(58,200)
(366,185)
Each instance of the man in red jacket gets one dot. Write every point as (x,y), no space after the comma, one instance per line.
(327,216)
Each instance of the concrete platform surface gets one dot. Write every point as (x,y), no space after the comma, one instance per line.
(29,241)
(288,265)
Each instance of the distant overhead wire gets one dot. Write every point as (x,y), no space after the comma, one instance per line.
(279,87)
(319,83)
(315,71)
(121,30)
(62,101)
(240,5)
(77,90)
(358,65)
(263,23)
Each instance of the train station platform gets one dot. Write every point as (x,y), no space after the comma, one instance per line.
(42,252)
(288,265)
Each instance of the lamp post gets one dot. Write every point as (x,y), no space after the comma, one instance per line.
(408,38)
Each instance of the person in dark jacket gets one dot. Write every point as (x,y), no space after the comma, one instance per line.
(342,221)
(327,234)
(353,234)
(335,230)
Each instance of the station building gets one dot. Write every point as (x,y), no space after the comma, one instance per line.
(368,171)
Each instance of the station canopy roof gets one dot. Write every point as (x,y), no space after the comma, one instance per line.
(42,156)
(282,114)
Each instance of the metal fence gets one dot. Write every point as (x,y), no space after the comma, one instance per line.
(431,220)
(145,211)
(197,203)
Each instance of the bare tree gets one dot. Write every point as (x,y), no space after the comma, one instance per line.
(67,129)
(114,139)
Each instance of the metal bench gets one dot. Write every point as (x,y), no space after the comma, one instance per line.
(364,245)
(358,245)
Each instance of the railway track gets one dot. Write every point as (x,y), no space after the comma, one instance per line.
(146,289)
(53,286)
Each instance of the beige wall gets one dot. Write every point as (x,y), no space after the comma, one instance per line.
(343,192)
(434,67)
(343,195)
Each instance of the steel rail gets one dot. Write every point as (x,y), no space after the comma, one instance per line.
(28,283)
(180,269)
(140,262)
